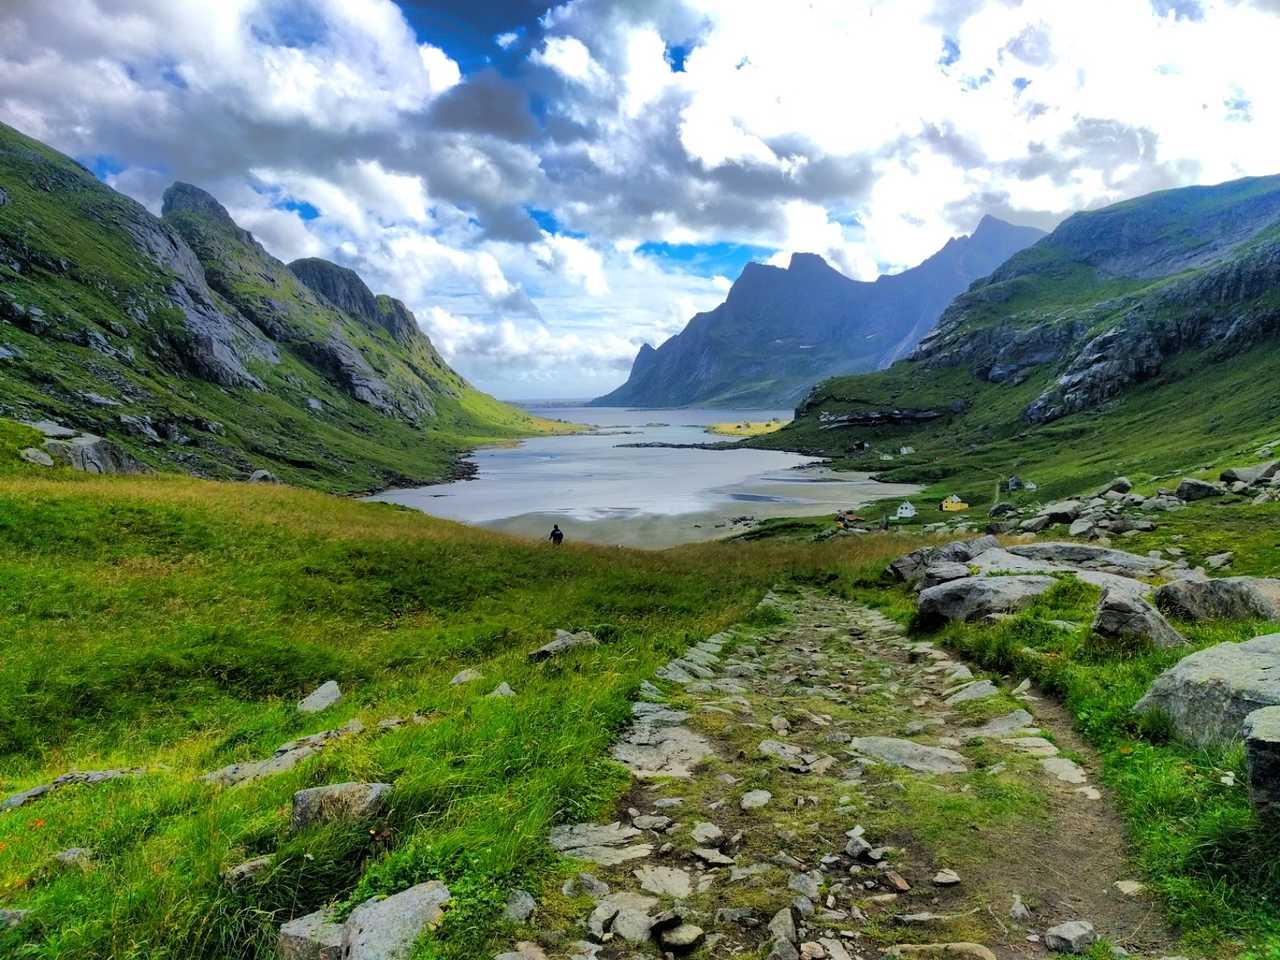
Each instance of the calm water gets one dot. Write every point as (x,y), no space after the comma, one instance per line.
(602,492)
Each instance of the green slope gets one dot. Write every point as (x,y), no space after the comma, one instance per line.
(1135,340)
(216,361)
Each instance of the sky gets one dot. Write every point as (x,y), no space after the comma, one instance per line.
(548,187)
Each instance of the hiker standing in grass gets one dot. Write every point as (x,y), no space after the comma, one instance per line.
(557,535)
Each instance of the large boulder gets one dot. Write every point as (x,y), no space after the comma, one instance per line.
(1251,475)
(1191,489)
(312,937)
(1062,512)
(338,802)
(386,929)
(321,698)
(943,571)
(92,455)
(1128,618)
(1207,695)
(562,642)
(1261,732)
(1228,598)
(911,567)
(973,598)
(1089,557)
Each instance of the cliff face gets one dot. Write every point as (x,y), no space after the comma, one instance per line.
(1111,295)
(181,339)
(780,331)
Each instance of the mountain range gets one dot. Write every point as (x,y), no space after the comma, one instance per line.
(1141,334)
(780,331)
(184,344)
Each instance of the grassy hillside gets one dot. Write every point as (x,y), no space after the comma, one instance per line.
(107,325)
(171,624)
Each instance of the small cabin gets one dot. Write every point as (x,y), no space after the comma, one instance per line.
(1030,485)
(886,456)
(906,511)
(907,451)
(953,504)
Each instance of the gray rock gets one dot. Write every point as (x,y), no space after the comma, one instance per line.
(705,834)
(682,938)
(978,690)
(321,698)
(631,920)
(13,918)
(1067,771)
(1191,489)
(1018,721)
(1118,485)
(786,752)
(263,476)
(808,884)
(1228,598)
(1219,560)
(664,881)
(49,428)
(1251,475)
(1128,618)
(1261,732)
(1062,512)
(1090,557)
(661,751)
(1075,936)
(1081,527)
(92,454)
(943,571)
(36,457)
(466,676)
(74,778)
(1208,695)
(755,799)
(911,567)
(606,844)
(286,756)
(585,885)
(563,641)
(973,598)
(909,754)
(338,801)
(313,937)
(783,926)
(386,929)
(246,872)
(520,906)
(502,690)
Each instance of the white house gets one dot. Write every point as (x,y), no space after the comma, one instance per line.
(907,451)
(905,510)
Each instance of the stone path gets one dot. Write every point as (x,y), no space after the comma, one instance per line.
(829,788)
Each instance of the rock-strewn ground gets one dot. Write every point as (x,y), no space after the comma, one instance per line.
(827,787)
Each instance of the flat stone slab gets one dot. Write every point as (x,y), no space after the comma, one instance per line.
(321,698)
(664,881)
(1019,721)
(910,755)
(386,929)
(1060,768)
(286,757)
(1208,694)
(605,844)
(563,642)
(654,751)
(978,690)
(74,778)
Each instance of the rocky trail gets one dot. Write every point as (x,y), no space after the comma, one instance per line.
(829,788)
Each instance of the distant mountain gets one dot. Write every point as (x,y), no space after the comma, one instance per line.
(781,331)
(1140,337)
(186,346)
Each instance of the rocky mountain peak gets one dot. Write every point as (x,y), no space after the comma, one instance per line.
(340,286)
(186,198)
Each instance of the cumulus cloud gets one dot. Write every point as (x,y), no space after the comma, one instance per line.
(869,131)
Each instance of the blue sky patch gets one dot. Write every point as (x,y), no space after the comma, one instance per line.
(676,54)
(102,165)
(465,29)
(950,52)
(706,259)
(303,209)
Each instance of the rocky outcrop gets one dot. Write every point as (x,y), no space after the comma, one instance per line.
(1207,695)
(1228,598)
(379,929)
(1131,619)
(91,454)
(563,642)
(339,801)
(974,598)
(1261,732)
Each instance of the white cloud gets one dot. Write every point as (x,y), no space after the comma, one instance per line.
(832,126)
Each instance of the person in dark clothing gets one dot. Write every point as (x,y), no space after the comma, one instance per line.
(557,535)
